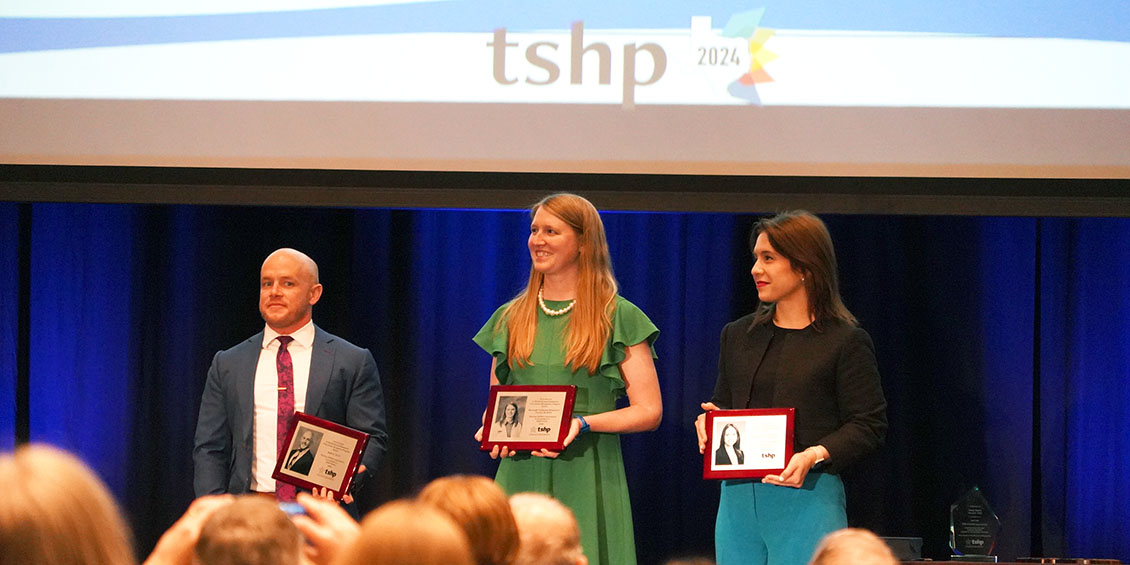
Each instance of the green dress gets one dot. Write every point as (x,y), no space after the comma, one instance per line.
(588,476)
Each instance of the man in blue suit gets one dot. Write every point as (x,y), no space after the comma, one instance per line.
(236,445)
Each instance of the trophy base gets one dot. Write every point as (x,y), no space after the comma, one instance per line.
(974,558)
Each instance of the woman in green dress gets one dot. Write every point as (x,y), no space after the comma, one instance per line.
(570,327)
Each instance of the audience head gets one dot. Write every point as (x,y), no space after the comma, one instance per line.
(853,546)
(480,508)
(408,533)
(56,511)
(548,531)
(252,530)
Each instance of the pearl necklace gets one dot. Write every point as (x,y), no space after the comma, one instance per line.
(551,312)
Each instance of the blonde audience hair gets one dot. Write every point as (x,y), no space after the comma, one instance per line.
(56,511)
(252,530)
(853,546)
(548,531)
(481,509)
(591,320)
(408,532)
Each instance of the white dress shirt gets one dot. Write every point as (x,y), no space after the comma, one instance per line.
(265,420)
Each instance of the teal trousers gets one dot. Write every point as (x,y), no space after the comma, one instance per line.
(763,524)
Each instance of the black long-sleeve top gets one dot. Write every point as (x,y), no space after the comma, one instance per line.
(829,376)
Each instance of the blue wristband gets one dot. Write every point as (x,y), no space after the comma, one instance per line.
(584,425)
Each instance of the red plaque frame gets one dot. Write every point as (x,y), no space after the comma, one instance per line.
(335,453)
(544,413)
(780,450)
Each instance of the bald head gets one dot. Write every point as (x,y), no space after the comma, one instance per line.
(307,263)
(547,531)
(288,290)
(853,546)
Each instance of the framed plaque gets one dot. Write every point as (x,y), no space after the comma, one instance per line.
(528,418)
(747,444)
(320,453)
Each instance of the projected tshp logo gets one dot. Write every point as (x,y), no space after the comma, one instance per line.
(544,61)
(607,66)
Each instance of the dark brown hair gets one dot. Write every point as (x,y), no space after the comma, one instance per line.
(804,240)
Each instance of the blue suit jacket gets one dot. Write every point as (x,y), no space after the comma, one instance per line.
(344,387)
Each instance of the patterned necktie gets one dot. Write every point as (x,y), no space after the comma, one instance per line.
(285,368)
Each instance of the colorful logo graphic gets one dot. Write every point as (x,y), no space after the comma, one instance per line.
(745,25)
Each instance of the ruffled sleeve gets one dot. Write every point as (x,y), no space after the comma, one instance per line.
(495,343)
(630,326)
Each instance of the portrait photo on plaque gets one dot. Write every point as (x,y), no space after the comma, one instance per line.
(528,418)
(303,450)
(320,454)
(749,443)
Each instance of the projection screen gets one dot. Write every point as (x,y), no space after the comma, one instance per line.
(914,88)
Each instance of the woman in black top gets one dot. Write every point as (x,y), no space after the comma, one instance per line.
(801,349)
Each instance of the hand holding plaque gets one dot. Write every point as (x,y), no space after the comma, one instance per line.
(528,418)
(320,454)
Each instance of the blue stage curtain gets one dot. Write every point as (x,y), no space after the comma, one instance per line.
(948,303)
(84,352)
(999,340)
(1085,389)
(9,320)
(1099,383)
(689,298)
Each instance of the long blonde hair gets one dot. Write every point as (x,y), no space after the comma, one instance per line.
(55,511)
(591,321)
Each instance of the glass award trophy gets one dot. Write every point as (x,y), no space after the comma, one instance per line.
(973,528)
